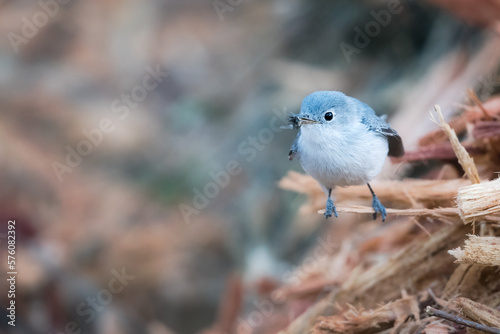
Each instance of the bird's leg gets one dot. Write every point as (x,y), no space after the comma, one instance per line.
(330,208)
(377,206)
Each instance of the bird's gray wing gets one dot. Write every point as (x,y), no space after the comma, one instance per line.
(381,127)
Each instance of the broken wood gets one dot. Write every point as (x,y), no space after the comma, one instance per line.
(479,250)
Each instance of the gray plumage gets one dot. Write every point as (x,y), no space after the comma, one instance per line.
(342,142)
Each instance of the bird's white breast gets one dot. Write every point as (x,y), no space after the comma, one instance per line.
(351,156)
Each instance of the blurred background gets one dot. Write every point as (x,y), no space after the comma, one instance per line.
(140,148)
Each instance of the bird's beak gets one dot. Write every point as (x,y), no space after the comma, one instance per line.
(306,120)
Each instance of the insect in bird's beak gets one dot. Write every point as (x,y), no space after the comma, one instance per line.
(296,121)
(306,120)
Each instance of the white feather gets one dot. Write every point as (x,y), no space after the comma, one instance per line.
(341,157)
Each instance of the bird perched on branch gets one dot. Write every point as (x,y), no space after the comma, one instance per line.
(342,142)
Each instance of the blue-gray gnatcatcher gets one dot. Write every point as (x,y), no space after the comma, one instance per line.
(342,142)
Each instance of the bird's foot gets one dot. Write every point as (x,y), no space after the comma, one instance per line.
(330,209)
(378,207)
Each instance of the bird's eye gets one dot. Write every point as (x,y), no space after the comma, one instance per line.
(329,116)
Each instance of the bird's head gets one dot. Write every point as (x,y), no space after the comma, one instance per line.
(326,108)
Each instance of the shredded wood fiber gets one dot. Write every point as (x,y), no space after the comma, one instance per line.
(479,250)
(354,321)
(479,200)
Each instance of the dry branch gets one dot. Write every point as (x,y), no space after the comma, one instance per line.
(438,212)
(405,193)
(477,312)
(442,151)
(473,114)
(464,158)
(486,129)
(458,320)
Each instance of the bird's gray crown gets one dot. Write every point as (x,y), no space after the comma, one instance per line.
(318,102)
(315,104)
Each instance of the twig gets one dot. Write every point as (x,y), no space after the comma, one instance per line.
(458,320)
(464,158)
(437,212)
(477,312)
(477,102)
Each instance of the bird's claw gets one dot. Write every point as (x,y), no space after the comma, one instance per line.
(378,207)
(330,209)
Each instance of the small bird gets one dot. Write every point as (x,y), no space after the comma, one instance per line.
(342,142)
